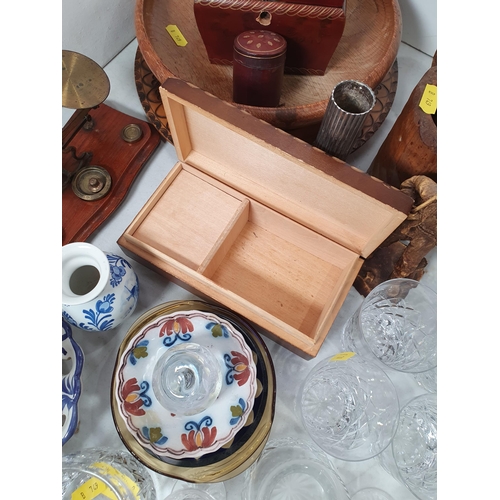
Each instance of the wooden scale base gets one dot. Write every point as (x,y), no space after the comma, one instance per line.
(103,149)
(121,159)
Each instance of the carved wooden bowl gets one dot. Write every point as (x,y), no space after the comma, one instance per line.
(366,52)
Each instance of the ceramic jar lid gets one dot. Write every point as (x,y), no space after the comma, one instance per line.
(260,43)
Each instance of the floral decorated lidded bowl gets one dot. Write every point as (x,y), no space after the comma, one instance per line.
(99,289)
(185,384)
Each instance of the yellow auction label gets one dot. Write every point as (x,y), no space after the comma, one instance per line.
(91,489)
(94,486)
(428,102)
(343,356)
(176,35)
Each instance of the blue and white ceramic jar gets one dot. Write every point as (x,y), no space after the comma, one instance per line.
(99,289)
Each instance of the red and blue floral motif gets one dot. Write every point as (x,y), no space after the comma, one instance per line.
(135,397)
(176,329)
(177,436)
(238,368)
(201,434)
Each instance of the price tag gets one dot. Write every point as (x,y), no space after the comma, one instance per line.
(176,35)
(343,356)
(93,487)
(428,102)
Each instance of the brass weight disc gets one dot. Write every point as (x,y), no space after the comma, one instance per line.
(91,183)
(84,83)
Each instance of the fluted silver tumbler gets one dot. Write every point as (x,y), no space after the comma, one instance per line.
(350,103)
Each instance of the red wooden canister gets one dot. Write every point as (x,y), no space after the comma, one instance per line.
(258,68)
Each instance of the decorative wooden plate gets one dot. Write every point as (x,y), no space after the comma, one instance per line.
(147,87)
(366,52)
(148,90)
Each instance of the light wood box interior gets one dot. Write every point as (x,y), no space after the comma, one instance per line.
(245,220)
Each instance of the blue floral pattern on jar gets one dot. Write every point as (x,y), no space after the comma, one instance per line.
(116,302)
(101,318)
(117,268)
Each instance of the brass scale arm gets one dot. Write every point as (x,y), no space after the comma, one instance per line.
(85,86)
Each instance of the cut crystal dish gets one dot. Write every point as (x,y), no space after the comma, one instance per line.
(349,407)
(291,469)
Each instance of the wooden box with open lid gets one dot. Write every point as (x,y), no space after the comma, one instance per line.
(260,221)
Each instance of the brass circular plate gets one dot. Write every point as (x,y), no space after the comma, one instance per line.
(85,85)
(131,132)
(91,183)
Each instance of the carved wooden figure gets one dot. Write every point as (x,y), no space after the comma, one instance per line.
(402,254)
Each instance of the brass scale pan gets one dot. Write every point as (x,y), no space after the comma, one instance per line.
(85,85)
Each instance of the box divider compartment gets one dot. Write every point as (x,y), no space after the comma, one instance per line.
(152,257)
(226,240)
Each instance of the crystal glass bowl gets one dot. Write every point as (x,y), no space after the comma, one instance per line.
(349,407)
(290,469)
(396,326)
(105,473)
(412,458)
(371,494)
(192,491)
(427,380)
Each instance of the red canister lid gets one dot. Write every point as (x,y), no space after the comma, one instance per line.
(260,43)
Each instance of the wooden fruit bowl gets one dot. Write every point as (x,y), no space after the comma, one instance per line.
(366,52)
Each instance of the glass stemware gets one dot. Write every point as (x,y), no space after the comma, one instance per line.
(290,469)
(397,326)
(412,458)
(349,407)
